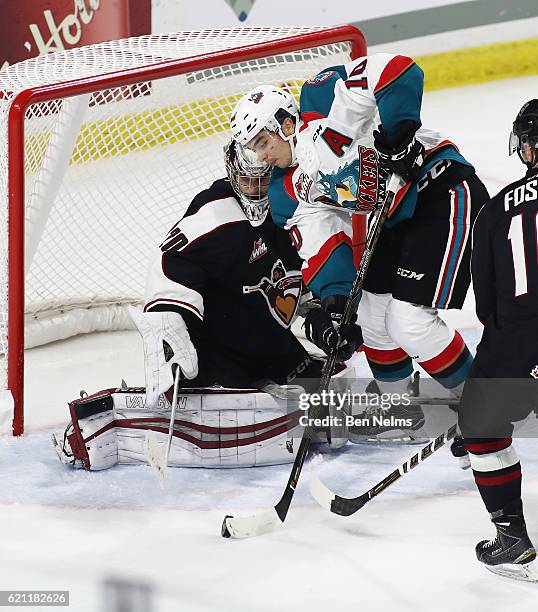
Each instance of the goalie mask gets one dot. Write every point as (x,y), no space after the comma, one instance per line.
(264,108)
(524,135)
(249,178)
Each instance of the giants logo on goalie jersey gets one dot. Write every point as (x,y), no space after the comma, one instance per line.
(282,292)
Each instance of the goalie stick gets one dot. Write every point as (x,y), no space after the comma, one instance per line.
(346,506)
(153,450)
(268,520)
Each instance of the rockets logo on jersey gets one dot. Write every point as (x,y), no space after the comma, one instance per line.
(303,185)
(341,186)
(281,292)
(354,185)
(258,250)
(368,177)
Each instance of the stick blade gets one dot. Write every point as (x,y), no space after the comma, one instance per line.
(241,527)
(322,494)
(344,506)
(155,455)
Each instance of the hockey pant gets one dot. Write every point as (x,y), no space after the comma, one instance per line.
(395,332)
(499,395)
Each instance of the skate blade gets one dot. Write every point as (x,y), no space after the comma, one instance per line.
(524,573)
(392,436)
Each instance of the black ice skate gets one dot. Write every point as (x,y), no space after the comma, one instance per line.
(395,423)
(458,450)
(511,552)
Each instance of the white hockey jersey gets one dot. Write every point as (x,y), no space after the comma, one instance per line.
(337,163)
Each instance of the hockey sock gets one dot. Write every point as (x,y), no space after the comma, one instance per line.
(496,470)
(389,364)
(451,366)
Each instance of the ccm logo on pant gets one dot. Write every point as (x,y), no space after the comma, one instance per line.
(410,274)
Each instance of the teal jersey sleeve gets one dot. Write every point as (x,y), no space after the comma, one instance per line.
(282,199)
(317,94)
(336,275)
(398,94)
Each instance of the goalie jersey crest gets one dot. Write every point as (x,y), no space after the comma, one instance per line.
(282,292)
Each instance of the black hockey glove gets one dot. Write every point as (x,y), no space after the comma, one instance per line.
(403,155)
(320,328)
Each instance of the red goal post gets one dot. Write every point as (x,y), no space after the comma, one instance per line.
(97,138)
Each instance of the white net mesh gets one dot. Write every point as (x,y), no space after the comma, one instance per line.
(107,173)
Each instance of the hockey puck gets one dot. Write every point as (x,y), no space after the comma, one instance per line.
(224,529)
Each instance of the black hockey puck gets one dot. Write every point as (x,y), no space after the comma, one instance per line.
(224,529)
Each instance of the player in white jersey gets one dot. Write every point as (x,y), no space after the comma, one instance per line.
(329,159)
(222,291)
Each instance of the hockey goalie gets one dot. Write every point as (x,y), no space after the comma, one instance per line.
(222,291)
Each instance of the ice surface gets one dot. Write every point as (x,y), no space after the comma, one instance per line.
(411,549)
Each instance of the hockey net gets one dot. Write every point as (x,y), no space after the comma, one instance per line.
(101,150)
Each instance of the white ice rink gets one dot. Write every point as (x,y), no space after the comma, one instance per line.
(412,549)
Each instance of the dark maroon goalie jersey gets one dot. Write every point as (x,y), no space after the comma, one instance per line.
(236,286)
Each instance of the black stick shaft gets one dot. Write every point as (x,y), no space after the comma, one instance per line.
(346,506)
(393,185)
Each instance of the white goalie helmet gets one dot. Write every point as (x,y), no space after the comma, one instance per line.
(264,107)
(249,178)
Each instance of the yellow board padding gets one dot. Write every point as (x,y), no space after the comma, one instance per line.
(143,131)
(474,65)
(117,136)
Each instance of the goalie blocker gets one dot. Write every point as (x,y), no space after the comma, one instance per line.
(214,427)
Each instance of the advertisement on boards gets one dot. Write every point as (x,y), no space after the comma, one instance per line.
(29,29)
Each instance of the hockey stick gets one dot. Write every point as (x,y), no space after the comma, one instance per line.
(345,506)
(152,449)
(253,289)
(268,520)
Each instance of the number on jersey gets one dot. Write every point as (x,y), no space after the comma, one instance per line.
(353,81)
(515,236)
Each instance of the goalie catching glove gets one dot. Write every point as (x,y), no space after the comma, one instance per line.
(166,343)
(321,328)
(403,154)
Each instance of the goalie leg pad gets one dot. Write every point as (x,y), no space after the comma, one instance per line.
(89,440)
(213,428)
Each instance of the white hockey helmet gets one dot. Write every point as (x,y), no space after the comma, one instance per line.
(249,178)
(264,107)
